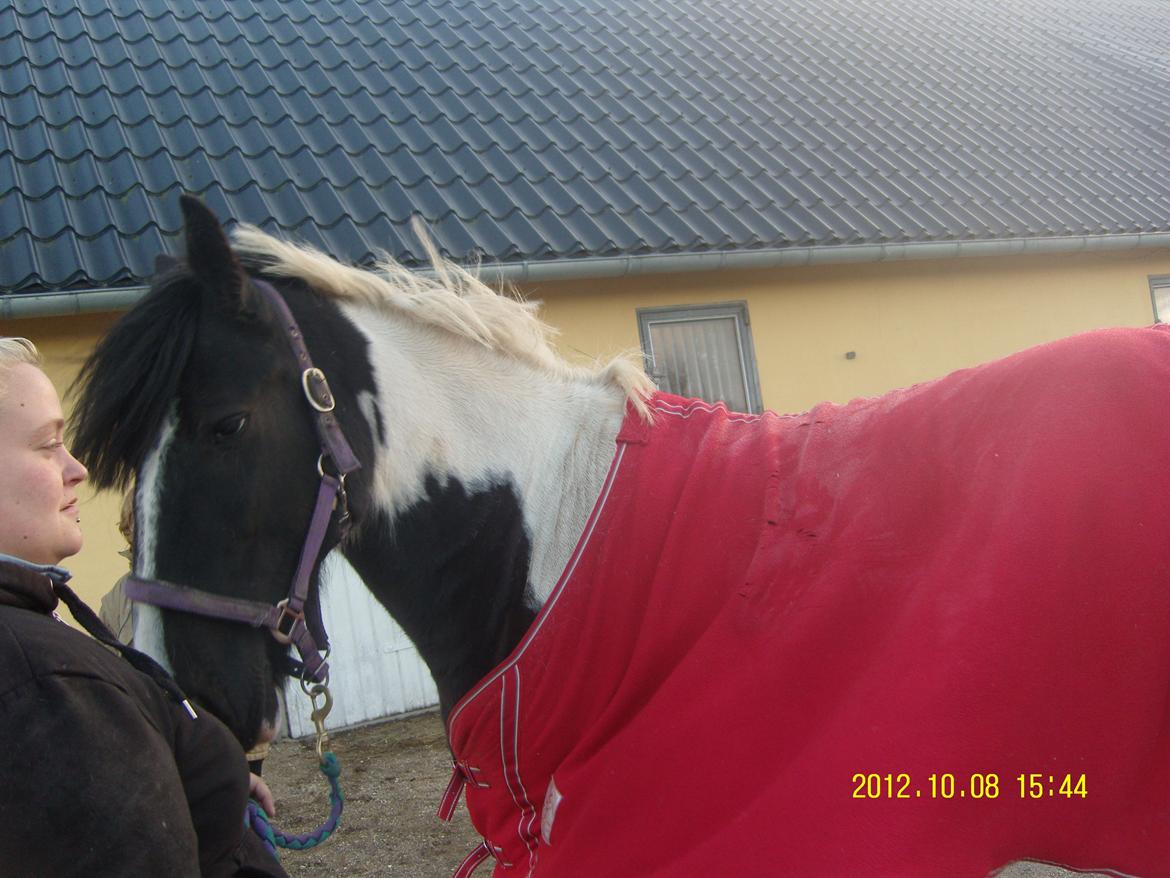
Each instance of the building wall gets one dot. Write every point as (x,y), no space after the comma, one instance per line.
(906,321)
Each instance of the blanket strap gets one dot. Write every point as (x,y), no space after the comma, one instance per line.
(461,775)
(471,863)
(451,794)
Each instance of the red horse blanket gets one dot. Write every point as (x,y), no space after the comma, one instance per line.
(920,635)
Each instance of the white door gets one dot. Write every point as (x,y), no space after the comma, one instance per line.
(374,669)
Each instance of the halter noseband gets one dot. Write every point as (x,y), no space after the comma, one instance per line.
(285,619)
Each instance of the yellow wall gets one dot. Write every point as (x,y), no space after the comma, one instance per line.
(906,321)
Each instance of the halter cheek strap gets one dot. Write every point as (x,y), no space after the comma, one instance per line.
(285,619)
(333,442)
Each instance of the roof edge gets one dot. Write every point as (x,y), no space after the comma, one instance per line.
(64,303)
(827,254)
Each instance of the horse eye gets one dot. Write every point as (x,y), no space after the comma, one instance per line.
(230,426)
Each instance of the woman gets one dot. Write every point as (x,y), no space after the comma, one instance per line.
(103,769)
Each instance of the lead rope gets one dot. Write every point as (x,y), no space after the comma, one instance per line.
(257,820)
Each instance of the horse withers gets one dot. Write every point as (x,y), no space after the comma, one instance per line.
(917,635)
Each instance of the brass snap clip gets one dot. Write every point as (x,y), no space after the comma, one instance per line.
(322,701)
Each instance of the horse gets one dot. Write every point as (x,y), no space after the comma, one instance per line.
(921,634)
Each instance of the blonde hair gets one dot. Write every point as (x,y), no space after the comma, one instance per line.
(13,352)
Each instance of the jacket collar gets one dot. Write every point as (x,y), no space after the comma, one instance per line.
(29,586)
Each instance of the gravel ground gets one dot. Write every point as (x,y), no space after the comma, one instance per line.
(393,774)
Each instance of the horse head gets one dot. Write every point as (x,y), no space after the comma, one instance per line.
(195,396)
(481,453)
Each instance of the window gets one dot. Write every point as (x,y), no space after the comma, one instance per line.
(703,351)
(1160,293)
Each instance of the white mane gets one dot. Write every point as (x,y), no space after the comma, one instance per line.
(454,300)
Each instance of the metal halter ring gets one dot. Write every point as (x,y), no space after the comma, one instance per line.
(278,630)
(307,685)
(341,503)
(317,390)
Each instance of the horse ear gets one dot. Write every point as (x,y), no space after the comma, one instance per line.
(209,255)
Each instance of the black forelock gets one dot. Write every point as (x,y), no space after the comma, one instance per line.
(130,382)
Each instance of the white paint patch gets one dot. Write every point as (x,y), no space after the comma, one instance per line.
(148,630)
(470,387)
(457,409)
(368,404)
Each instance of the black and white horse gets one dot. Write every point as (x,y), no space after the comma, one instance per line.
(483,456)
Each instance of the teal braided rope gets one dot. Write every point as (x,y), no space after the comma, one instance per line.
(274,838)
(256,820)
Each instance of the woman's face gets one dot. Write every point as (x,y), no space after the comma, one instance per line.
(39,518)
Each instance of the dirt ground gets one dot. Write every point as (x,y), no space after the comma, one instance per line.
(393,775)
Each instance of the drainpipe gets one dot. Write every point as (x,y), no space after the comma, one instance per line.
(731,260)
(61,304)
(56,304)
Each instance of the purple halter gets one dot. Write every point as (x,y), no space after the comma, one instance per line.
(285,619)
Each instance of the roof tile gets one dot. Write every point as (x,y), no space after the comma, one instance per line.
(527,130)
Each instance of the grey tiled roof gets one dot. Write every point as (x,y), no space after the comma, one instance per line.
(560,129)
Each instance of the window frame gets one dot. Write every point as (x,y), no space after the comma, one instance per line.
(738,310)
(1160,282)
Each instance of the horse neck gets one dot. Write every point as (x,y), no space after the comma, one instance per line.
(486,474)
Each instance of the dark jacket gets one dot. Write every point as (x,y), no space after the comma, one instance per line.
(102,772)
